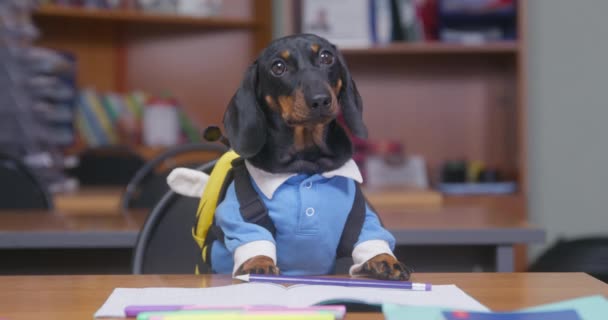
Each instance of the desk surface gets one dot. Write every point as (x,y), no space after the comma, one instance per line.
(458,225)
(78,297)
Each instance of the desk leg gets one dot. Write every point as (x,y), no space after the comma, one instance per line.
(505,261)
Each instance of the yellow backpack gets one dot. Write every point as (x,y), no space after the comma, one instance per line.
(209,201)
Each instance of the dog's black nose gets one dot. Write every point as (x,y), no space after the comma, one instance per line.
(320,101)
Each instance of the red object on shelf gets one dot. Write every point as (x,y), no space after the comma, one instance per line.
(359,146)
(385,148)
(427,12)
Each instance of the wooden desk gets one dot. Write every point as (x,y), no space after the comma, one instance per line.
(35,229)
(108,199)
(90,200)
(78,297)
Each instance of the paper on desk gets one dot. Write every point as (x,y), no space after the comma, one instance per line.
(397,312)
(448,296)
(588,308)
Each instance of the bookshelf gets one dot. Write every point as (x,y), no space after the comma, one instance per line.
(125,50)
(449,101)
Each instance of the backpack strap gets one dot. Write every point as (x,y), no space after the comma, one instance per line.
(252,207)
(215,232)
(353,225)
(211,196)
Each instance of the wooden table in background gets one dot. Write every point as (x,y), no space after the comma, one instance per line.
(75,242)
(90,201)
(100,200)
(440,238)
(39,229)
(78,297)
(460,237)
(455,236)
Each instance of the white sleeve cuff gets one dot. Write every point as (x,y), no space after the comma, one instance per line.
(367,250)
(252,249)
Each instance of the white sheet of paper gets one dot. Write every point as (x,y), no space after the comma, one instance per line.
(448,296)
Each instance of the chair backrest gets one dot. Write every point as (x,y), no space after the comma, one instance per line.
(589,254)
(19,186)
(165,244)
(146,187)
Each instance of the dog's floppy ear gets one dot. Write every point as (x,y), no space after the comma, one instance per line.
(350,101)
(244,120)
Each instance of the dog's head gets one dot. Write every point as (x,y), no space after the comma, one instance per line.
(297,83)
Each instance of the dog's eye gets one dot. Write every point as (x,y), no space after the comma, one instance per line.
(278,68)
(326,57)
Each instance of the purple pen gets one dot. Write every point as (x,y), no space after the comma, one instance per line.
(387,284)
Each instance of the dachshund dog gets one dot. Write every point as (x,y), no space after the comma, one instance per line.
(284,120)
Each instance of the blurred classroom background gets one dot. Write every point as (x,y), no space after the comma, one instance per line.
(484,116)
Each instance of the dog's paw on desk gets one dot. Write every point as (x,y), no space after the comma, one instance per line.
(385,267)
(258,265)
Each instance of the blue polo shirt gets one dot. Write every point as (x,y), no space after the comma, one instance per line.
(309,213)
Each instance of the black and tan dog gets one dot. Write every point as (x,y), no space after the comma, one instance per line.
(283,119)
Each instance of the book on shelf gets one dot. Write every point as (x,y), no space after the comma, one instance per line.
(477,22)
(363,23)
(88,121)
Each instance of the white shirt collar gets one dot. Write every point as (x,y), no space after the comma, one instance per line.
(269,182)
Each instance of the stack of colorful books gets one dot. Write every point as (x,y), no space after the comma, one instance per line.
(116,119)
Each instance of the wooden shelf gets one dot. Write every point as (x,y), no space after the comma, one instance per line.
(141,18)
(514,204)
(401,197)
(106,200)
(436,48)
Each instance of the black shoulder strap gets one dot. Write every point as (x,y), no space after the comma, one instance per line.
(353,225)
(251,206)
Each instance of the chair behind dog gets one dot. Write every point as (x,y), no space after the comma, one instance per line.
(146,187)
(165,244)
(587,254)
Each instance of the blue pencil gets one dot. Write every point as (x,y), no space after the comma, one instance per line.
(388,284)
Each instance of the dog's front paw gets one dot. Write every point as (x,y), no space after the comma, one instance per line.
(258,265)
(385,267)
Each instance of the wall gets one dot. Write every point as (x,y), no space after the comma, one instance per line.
(282,21)
(568,115)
